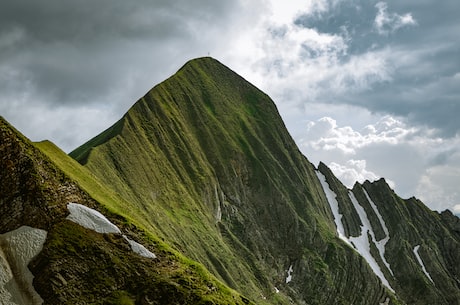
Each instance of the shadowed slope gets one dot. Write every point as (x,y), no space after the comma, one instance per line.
(413,248)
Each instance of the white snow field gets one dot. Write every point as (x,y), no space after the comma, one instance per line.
(419,259)
(17,249)
(139,249)
(94,220)
(381,243)
(332,199)
(360,243)
(289,274)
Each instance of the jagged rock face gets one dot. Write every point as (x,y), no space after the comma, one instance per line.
(416,251)
(71,264)
(411,224)
(23,188)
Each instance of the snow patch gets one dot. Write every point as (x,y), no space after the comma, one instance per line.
(289,274)
(90,219)
(17,249)
(219,209)
(419,259)
(387,302)
(362,243)
(334,204)
(219,213)
(139,249)
(381,243)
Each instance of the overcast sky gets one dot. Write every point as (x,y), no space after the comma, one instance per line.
(371,88)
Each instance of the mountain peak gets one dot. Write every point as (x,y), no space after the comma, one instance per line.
(206,154)
(208,66)
(205,61)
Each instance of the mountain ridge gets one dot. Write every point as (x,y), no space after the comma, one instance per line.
(202,169)
(206,139)
(248,148)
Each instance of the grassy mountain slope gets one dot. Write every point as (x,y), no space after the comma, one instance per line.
(78,265)
(206,160)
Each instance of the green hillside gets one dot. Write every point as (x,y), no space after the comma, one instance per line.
(78,265)
(207,161)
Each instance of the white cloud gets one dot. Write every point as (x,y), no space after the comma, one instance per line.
(284,14)
(456,209)
(293,63)
(324,134)
(353,171)
(412,160)
(438,185)
(302,64)
(386,22)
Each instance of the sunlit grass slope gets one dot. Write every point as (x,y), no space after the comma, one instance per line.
(174,274)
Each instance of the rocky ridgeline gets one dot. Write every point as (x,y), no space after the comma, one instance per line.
(240,198)
(421,256)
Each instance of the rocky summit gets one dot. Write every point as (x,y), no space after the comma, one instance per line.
(199,195)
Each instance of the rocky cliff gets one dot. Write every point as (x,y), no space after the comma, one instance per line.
(415,251)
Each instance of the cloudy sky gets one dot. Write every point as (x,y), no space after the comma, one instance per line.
(371,88)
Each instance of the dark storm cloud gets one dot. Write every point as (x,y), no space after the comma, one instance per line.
(354,20)
(70,69)
(77,51)
(80,20)
(423,56)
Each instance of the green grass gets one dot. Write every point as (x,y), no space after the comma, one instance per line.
(189,274)
(99,270)
(85,179)
(202,140)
